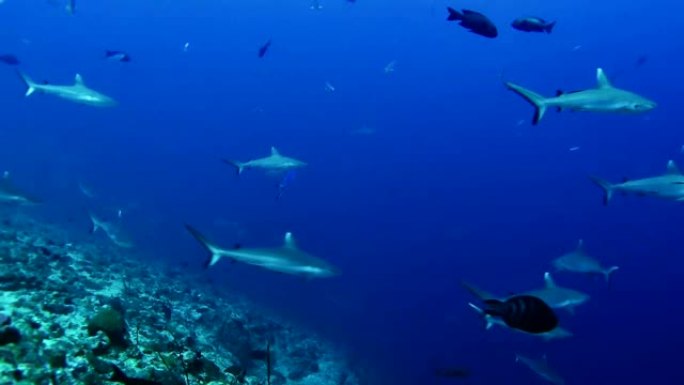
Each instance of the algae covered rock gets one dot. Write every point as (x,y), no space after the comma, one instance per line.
(112,323)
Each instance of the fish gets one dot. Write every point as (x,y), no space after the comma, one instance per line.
(78,92)
(119,376)
(475,22)
(264,48)
(287,258)
(111,230)
(70,7)
(119,56)
(541,368)
(458,373)
(603,98)
(9,59)
(523,312)
(533,24)
(559,297)
(273,163)
(285,182)
(668,186)
(578,261)
(490,321)
(315,5)
(390,67)
(12,195)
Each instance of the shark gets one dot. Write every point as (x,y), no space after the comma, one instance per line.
(559,297)
(287,258)
(111,230)
(78,92)
(11,195)
(602,98)
(273,163)
(579,261)
(669,186)
(541,368)
(491,321)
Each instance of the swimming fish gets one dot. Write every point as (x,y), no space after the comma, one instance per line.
(458,373)
(264,48)
(117,56)
(473,21)
(9,59)
(523,312)
(533,24)
(578,261)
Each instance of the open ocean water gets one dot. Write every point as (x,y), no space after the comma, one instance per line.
(422,169)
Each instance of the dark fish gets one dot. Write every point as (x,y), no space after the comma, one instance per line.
(9,59)
(120,376)
(460,373)
(533,24)
(264,48)
(473,21)
(117,56)
(523,312)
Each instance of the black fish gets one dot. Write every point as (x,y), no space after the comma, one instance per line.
(452,372)
(120,376)
(533,24)
(473,21)
(9,59)
(117,56)
(264,48)
(523,312)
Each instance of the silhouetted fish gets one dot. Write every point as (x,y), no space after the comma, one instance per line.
(533,24)
(117,56)
(460,373)
(9,59)
(523,312)
(264,48)
(473,21)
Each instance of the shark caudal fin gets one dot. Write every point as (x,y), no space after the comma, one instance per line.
(213,250)
(536,100)
(30,84)
(239,166)
(607,188)
(609,271)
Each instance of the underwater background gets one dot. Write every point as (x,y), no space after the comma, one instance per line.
(416,179)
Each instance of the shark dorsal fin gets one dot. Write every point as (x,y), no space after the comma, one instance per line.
(602,80)
(289,241)
(548,280)
(672,168)
(274,151)
(580,246)
(78,80)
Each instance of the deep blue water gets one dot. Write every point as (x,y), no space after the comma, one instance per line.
(450,186)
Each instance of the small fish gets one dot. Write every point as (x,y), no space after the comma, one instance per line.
(575,148)
(186,46)
(473,21)
(9,59)
(390,67)
(119,376)
(329,87)
(523,312)
(460,373)
(264,48)
(117,56)
(533,24)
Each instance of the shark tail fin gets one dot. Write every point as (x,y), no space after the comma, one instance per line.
(30,84)
(549,27)
(607,189)
(214,251)
(536,100)
(609,271)
(95,224)
(239,166)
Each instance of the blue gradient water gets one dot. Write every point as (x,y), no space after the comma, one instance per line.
(450,186)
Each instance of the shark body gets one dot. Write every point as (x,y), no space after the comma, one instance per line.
(578,261)
(669,186)
(11,195)
(603,98)
(287,259)
(77,92)
(111,230)
(541,368)
(559,297)
(275,162)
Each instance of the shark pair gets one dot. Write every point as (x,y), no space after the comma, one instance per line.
(602,98)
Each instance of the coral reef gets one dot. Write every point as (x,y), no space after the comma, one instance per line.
(87,314)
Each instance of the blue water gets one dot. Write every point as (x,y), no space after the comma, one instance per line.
(449,186)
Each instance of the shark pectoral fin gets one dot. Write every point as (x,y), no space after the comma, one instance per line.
(608,272)
(602,80)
